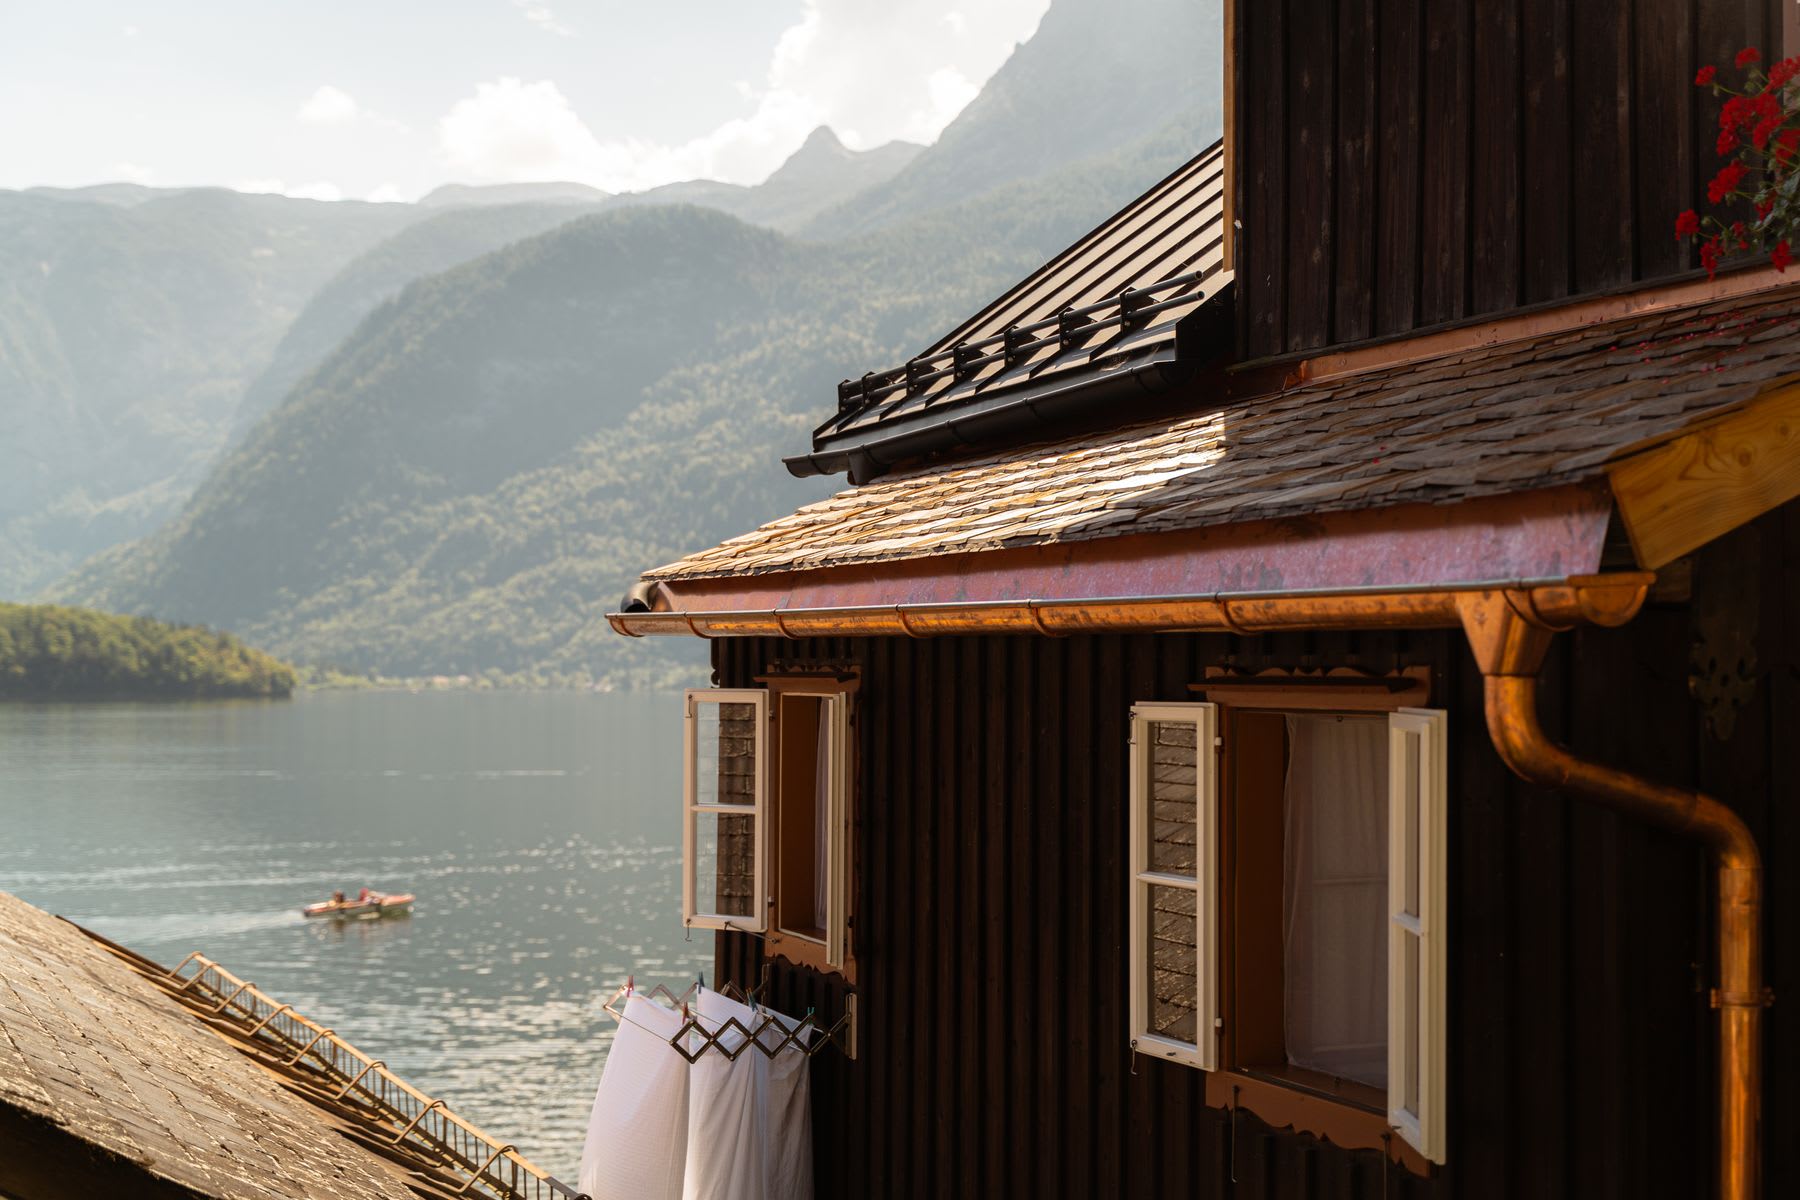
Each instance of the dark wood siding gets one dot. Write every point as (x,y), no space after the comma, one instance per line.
(990,916)
(1408,163)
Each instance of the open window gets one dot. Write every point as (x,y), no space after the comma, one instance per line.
(767,830)
(1174,883)
(1287,898)
(724,826)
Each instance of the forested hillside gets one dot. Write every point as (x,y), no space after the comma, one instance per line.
(51,653)
(483,467)
(130,323)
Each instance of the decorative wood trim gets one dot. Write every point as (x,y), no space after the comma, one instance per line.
(1687,491)
(1284,1107)
(1277,372)
(1341,689)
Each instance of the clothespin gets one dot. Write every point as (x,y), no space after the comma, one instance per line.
(700,981)
(630,982)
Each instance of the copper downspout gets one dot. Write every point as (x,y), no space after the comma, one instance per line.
(1510,641)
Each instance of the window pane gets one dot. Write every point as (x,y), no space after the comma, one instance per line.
(1409,1021)
(724,864)
(1174,802)
(1409,836)
(803,799)
(1335,896)
(725,767)
(1173,986)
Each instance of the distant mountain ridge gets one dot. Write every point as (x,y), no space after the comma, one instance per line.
(460,471)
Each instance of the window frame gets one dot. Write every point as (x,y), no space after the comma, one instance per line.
(835,952)
(1350,1114)
(1423,1125)
(1204,1051)
(692,809)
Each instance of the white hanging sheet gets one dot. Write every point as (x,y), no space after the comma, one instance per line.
(749,1120)
(638,1133)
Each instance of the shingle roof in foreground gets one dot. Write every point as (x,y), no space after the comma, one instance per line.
(1506,418)
(99,1053)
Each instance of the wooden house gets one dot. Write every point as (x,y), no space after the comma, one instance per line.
(1298,697)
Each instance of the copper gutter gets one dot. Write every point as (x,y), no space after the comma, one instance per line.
(1600,599)
(1510,640)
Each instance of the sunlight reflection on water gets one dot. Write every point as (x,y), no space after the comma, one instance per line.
(540,832)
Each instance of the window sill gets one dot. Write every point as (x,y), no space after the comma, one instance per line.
(1338,1112)
(805,952)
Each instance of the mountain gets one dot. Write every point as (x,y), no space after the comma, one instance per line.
(1092,69)
(128,331)
(477,473)
(124,195)
(822,173)
(434,244)
(460,195)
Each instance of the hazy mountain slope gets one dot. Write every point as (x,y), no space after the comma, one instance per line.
(127,334)
(822,173)
(476,475)
(460,195)
(1096,74)
(434,244)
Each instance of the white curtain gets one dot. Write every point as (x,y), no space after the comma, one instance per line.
(749,1120)
(1334,903)
(637,1134)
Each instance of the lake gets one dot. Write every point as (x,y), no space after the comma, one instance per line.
(540,830)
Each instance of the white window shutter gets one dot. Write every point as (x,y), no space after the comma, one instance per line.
(1174,882)
(835,711)
(725,785)
(1418,796)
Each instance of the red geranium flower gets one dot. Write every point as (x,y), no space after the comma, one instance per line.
(1728,142)
(1786,146)
(1764,208)
(1746,56)
(1781,256)
(1710,254)
(1783,72)
(1725,182)
(1705,76)
(1687,224)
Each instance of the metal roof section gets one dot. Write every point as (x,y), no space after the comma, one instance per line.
(1106,319)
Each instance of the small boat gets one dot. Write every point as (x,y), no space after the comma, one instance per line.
(366,906)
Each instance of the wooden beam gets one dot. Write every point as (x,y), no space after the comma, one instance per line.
(1683,493)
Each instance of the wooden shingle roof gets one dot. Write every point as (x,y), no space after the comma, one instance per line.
(102,1056)
(1519,416)
(1106,311)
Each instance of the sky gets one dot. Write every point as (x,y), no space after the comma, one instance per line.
(386,99)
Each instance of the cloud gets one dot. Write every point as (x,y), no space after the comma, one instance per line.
(388,193)
(133,173)
(328,106)
(334,106)
(541,16)
(317,190)
(874,73)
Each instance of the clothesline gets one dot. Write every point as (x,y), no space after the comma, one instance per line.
(806,1034)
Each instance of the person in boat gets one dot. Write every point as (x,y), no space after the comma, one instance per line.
(363,896)
(337,897)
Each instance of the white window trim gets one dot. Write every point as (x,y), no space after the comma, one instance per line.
(692,808)
(1423,1127)
(1205,884)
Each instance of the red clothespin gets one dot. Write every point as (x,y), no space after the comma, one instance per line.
(629,983)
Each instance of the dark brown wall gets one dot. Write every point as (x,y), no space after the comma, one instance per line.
(1405,163)
(991,916)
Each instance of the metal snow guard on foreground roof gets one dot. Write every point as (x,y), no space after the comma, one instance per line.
(1099,320)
